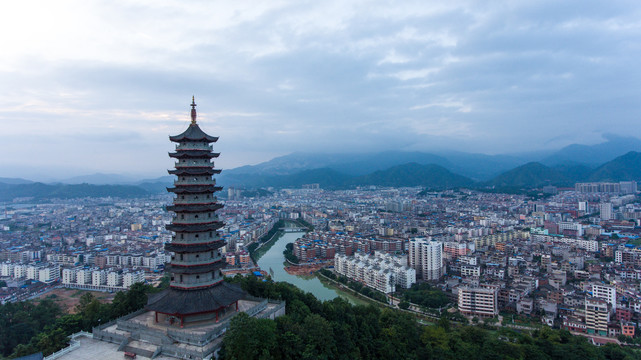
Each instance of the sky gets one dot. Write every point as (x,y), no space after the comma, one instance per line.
(98,86)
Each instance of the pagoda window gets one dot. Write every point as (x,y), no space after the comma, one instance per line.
(209,215)
(197,255)
(181,257)
(196,235)
(183,197)
(197,276)
(211,234)
(181,278)
(207,196)
(182,236)
(182,216)
(196,216)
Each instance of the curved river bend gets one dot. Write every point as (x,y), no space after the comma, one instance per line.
(272,262)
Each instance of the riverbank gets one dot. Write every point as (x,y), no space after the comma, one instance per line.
(307,269)
(345,289)
(273,261)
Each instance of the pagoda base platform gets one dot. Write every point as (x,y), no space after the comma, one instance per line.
(182,307)
(140,333)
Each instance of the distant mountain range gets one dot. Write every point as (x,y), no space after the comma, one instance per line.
(530,175)
(479,167)
(40,191)
(594,155)
(574,163)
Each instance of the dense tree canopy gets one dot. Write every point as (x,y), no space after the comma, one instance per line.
(27,328)
(338,330)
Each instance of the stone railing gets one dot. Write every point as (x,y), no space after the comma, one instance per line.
(258,308)
(73,345)
(126,317)
(103,335)
(198,339)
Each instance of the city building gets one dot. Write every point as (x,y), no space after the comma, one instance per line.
(481,301)
(597,316)
(381,271)
(607,293)
(606,212)
(426,256)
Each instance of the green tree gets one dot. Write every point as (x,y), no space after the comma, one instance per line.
(249,338)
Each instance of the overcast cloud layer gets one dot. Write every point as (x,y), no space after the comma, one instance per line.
(99,85)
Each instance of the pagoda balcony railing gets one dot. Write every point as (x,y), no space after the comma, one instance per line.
(199,221)
(213,260)
(179,201)
(194,283)
(188,146)
(195,182)
(189,164)
(217,255)
(195,241)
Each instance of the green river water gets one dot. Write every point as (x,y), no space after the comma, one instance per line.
(273,262)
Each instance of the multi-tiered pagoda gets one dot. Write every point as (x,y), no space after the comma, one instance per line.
(197,291)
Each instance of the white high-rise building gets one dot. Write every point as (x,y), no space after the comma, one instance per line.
(131,278)
(68,276)
(98,277)
(605,292)
(83,277)
(49,274)
(607,212)
(19,271)
(6,269)
(426,256)
(597,316)
(479,301)
(628,187)
(583,206)
(32,272)
(114,278)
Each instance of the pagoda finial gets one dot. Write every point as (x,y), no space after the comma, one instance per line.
(193,110)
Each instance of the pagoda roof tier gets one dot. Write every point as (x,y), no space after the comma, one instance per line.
(193,133)
(182,208)
(195,269)
(198,301)
(196,154)
(192,228)
(192,170)
(194,189)
(184,248)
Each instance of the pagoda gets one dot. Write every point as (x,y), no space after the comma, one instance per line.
(197,291)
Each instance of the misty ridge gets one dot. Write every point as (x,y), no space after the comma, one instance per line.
(618,159)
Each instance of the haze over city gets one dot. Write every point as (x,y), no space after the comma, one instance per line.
(98,86)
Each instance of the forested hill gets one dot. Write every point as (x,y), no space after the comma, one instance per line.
(311,329)
(337,330)
(40,191)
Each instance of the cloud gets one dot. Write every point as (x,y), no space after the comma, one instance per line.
(282,76)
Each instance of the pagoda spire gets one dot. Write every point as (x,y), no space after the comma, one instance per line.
(193,110)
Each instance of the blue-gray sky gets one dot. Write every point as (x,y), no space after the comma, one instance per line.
(90,86)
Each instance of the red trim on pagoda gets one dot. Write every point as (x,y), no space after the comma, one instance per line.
(197,287)
(194,265)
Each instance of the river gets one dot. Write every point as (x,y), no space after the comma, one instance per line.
(274,259)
